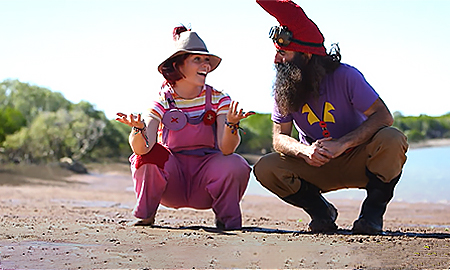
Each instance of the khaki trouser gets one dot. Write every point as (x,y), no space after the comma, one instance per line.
(384,155)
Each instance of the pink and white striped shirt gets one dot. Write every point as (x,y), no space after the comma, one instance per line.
(195,107)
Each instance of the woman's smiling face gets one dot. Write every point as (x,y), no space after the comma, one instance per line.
(195,68)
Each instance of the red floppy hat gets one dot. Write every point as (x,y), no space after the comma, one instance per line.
(306,36)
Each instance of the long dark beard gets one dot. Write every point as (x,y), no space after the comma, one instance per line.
(289,90)
(298,80)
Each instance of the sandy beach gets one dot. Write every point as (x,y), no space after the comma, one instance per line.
(52,219)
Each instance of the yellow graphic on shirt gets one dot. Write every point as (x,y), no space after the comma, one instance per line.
(312,118)
(327,116)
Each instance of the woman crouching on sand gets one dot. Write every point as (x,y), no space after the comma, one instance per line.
(183,153)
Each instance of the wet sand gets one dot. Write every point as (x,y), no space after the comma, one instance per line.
(51,219)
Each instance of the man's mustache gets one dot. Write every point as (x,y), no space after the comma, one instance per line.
(288,71)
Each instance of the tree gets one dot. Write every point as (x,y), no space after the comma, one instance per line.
(11,120)
(59,127)
(30,100)
(397,115)
(113,144)
(55,135)
(258,134)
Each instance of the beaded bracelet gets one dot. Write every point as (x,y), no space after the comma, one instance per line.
(142,131)
(234,127)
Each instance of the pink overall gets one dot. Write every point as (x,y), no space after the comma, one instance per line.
(189,171)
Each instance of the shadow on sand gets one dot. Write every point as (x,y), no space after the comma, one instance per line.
(297,233)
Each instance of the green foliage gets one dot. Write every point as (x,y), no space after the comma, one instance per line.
(258,134)
(422,127)
(38,125)
(53,135)
(114,143)
(11,120)
(414,135)
(88,109)
(31,100)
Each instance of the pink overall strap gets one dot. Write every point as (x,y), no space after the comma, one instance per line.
(208,106)
(169,99)
(208,97)
(171,102)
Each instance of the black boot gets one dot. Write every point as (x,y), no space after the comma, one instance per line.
(379,194)
(322,213)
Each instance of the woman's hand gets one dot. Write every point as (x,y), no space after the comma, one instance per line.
(234,115)
(131,120)
(142,136)
(227,131)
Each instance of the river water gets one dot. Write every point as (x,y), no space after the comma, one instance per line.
(425,178)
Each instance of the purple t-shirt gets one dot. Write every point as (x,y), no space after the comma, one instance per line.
(344,97)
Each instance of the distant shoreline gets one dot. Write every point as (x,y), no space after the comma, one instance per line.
(430,143)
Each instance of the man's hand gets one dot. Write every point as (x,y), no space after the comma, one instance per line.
(316,155)
(334,147)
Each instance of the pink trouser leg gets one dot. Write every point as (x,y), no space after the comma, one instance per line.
(212,181)
(150,183)
(226,180)
(200,182)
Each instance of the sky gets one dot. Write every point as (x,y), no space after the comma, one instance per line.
(106,52)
